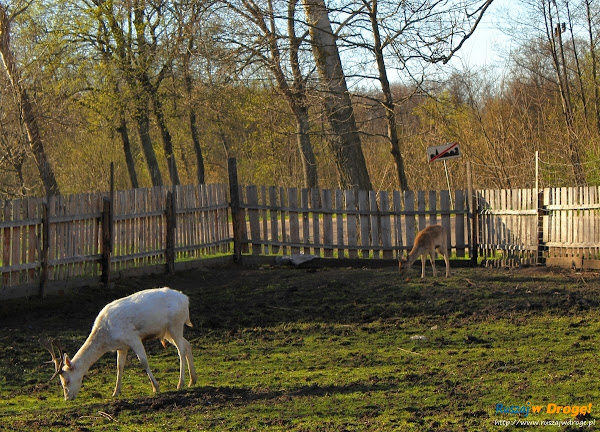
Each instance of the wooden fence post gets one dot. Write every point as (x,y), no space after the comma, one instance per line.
(541,212)
(171,225)
(237,215)
(45,248)
(107,241)
(472,214)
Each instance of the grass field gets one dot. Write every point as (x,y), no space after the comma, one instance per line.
(327,350)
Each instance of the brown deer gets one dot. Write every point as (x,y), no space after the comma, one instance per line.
(427,241)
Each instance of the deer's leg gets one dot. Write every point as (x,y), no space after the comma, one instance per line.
(138,348)
(447,263)
(121,357)
(184,350)
(190,362)
(432,260)
(423,261)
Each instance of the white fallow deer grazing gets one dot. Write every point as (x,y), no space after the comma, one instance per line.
(126,323)
(427,241)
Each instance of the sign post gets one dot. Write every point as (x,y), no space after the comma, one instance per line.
(444,152)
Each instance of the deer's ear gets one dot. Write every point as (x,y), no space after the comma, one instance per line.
(67,361)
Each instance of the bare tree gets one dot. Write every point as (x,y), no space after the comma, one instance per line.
(405,33)
(29,116)
(555,28)
(274,43)
(345,140)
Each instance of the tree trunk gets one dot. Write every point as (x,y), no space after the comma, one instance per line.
(124,133)
(388,101)
(345,142)
(166,137)
(554,34)
(594,62)
(143,123)
(309,163)
(192,115)
(29,118)
(294,92)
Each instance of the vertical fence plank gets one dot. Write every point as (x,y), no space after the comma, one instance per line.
(445,211)
(327,223)
(351,223)
(6,247)
(273,213)
(264,219)
(459,223)
(375,224)
(315,201)
(422,209)
(386,231)
(432,208)
(304,194)
(409,208)
(253,216)
(365,221)
(16,242)
(284,215)
(398,224)
(339,223)
(294,223)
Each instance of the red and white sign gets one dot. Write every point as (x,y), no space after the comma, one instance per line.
(443,152)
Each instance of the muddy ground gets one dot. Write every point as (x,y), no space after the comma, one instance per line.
(225,301)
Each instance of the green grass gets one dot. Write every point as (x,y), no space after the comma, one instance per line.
(331,349)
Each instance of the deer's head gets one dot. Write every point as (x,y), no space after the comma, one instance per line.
(69,377)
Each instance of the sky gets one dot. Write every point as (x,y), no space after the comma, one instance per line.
(485,46)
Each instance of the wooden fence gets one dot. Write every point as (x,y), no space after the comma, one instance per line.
(509,226)
(62,239)
(348,223)
(91,235)
(557,226)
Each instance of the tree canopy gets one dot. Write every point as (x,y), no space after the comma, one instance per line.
(311,93)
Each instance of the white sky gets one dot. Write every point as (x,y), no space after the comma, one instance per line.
(485,46)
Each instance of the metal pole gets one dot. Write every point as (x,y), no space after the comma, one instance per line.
(448,183)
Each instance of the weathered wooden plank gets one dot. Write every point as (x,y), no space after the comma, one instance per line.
(365,220)
(315,202)
(409,207)
(339,223)
(274,215)
(16,242)
(327,223)
(433,220)
(422,209)
(6,246)
(397,219)
(351,221)
(459,223)
(264,216)
(386,231)
(33,205)
(305,220)
(294,222)
(445,210)
(375,223)
(284,233)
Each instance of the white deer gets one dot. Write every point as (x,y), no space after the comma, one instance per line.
(427,241)
(126,323)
